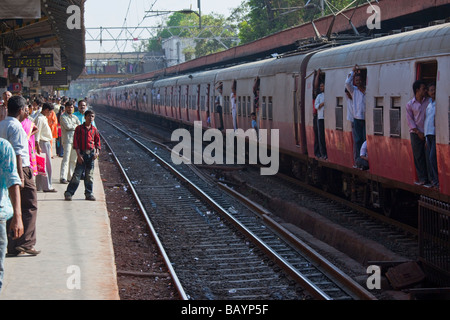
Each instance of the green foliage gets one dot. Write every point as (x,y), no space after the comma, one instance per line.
(188,26)
(266,17)
(254,19)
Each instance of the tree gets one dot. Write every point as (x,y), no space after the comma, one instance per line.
(264,17)
(213,37)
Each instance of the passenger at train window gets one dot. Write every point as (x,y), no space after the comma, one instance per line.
(358,92)
(430,134)
(415,114)
(362,162)
(255,124)
(320,106)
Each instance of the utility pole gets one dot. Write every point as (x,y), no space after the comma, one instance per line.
(199,5)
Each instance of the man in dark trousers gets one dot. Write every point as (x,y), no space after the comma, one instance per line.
(86,142)
(11,129)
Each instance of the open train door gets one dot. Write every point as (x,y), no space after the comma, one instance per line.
(299,105)
(297,111)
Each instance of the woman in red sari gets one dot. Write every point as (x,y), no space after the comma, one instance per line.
(31,129)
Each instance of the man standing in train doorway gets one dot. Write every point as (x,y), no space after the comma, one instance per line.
(358,92)
(319,104)
(233,101)
(86,142)
(219,105)
(415,114)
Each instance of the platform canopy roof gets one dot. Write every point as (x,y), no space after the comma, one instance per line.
(35,27)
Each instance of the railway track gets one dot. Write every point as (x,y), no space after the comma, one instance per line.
(216,247)
(399,238)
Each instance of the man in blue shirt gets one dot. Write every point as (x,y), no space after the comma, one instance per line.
(82,107)
(10,207)
(430,135)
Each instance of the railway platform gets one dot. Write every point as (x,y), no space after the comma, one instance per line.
(77,257)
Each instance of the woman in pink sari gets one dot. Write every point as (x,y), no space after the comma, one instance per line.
(31,130)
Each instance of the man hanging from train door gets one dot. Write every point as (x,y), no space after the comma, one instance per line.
(358,92)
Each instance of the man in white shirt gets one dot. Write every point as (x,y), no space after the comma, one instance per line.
(43,144)
(358,92)
(69,122)
(11,129)
(37,107)
(363,161)
(233,105)
(430,135)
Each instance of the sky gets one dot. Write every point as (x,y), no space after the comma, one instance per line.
(113,13)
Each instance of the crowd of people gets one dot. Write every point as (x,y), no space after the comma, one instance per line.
(31,130)
(420,114)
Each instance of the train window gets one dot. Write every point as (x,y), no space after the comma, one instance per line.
(249,106)
(339,113)
(270,109)
(244,107)
(264,107)
(226,100)
(378,128)
(203,102)
(427,71)
(395,117)
(239,106)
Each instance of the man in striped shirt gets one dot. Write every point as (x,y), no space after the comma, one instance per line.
(86,142)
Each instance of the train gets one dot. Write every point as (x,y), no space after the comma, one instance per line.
(281,91)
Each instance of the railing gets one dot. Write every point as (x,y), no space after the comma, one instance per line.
(434,239)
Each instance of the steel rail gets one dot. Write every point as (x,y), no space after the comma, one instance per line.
(286,266)
(177,283)
(331,270)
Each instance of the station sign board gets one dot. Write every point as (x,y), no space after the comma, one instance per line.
(29,61)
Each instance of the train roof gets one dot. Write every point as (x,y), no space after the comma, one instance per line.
(242,71)
(421,43)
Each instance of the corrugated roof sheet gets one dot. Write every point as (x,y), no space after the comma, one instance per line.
(28,36)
